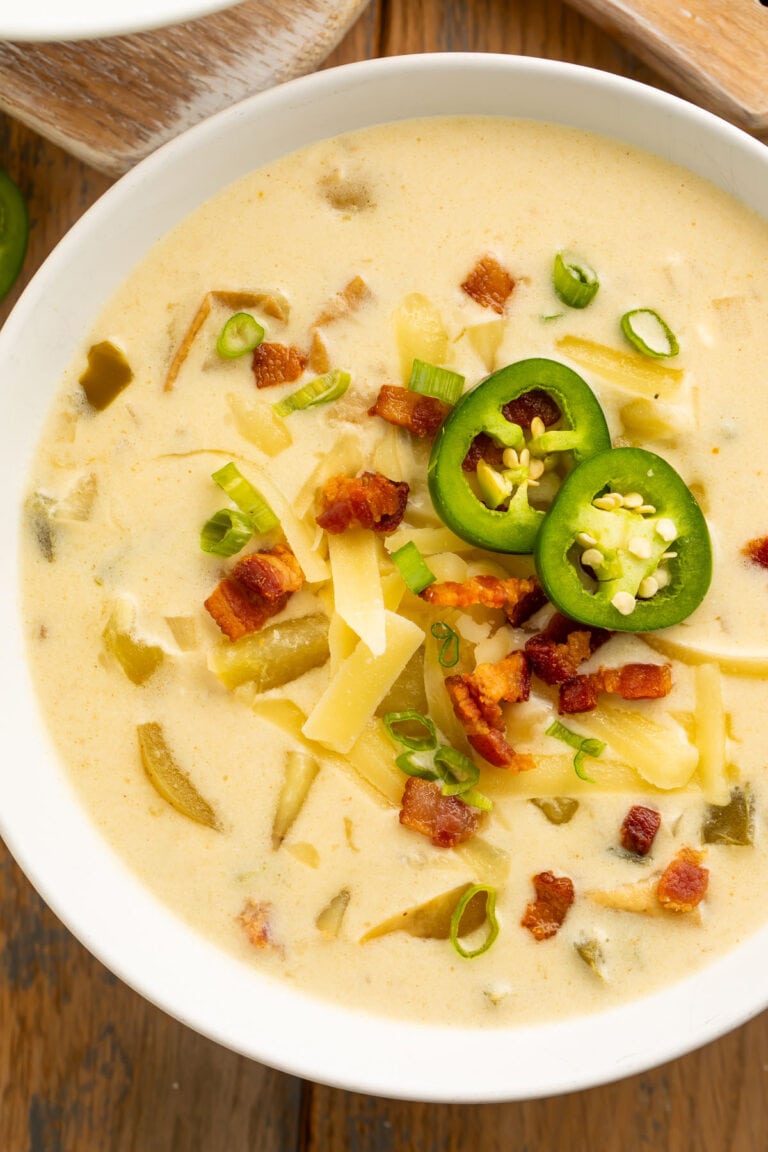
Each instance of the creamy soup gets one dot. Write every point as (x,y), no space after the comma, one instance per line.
(268,817)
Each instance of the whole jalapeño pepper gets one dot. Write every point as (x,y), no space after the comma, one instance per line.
(491,508)
(625,546)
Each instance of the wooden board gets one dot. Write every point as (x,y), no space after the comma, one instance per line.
(113,101)
(715,52)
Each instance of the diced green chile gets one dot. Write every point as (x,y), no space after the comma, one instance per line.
(583,433)
(686,555)
(732,823)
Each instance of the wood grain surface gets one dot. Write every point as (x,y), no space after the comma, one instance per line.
(88,1066)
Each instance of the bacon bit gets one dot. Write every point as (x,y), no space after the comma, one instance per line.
(367,501)
(489,284)
(482,448)
(258,588)
(523,409)
(351,297)
(270,574)
(446,820)
(757,551)
(254,918)
(639,829)
(683,883)
(476,698)
(557,651)
(277,364)
(545,915)
(630,681)
(519,597)
(421,415)
(271,303)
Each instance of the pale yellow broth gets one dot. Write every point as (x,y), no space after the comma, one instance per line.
(427,199)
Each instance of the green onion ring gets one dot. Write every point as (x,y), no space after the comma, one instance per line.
(490,912)
(413,568)
(574,282)
(584,746)
(416,743)
(241,334)
(412,764)
(430,380)
(321,390)
(457,772)
(247,498)
(629,328)
(226,532)
(448,656)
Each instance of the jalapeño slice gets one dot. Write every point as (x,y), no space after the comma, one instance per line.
(500,517)
(13,232)
(625,546)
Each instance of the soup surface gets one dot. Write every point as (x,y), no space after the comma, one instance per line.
(268,816)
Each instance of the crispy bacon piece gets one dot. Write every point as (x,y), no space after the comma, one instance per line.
(476,699)
(277,364)
(270,574)
(630,681)
(489,284)
(523,409)
(483,448)
(557,651)
(519,597)
(258,588)
(421,415)
(446,820)
(639,829)
(254,919)
(554,896)
(367,501)
(757,551)
(683,883)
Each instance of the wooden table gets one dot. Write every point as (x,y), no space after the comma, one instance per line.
(87,1065)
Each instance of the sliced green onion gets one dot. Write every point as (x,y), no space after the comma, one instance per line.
(584,745)
(416,743)
(416,764)
(457,772)
(547,319)
(448,656)
(575,282)
(321,390)
(247,498)
(648,333)
(477,800)
(490,912)
(226,532)
(429,380)
(241,334)
(412,567)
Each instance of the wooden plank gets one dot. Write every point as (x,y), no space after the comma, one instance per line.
(113,101)
(715,52)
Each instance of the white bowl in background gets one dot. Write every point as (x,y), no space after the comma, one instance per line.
(41,819)
(48,20)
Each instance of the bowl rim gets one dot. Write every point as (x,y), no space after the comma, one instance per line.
(44,21)
(42,820)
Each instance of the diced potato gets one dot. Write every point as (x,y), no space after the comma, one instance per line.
(639,897)
(300,772)
(731,823)
(78,502)
(489,863)
(330,919)
(486,340)
(710,733)
(258,423)
(169,780)
(647,419)
(360,684)
(557,809)
(432,920)
(628,370)
(373,758)
(420,333)
(273,657)
(138,659)
(661,753)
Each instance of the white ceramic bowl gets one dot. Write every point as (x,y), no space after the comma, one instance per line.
(40,817)
(80,19)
